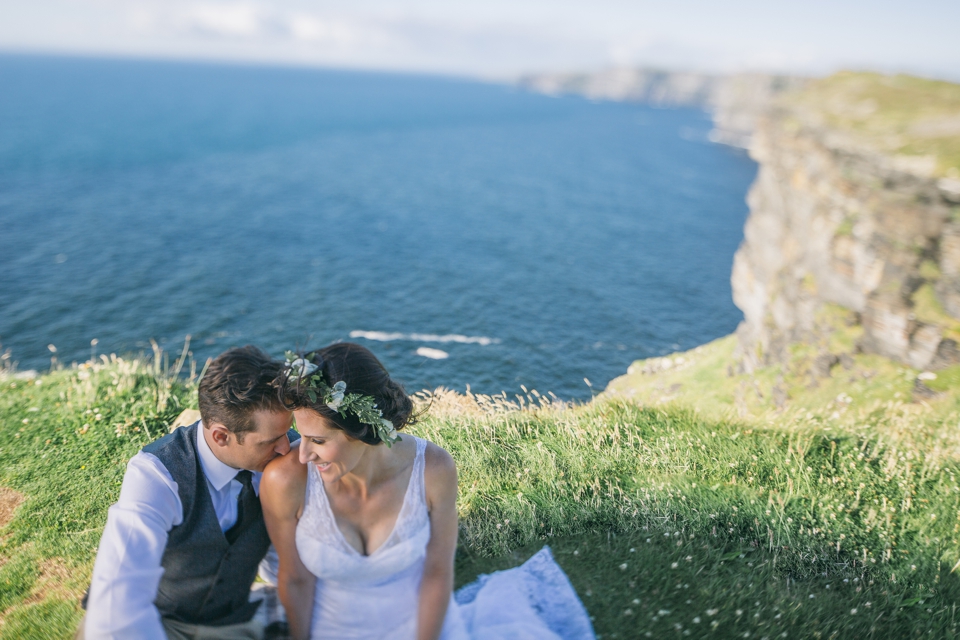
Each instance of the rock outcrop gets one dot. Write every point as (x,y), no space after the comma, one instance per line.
(855,204)
(736,101)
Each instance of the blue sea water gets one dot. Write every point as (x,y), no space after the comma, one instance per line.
(534,240)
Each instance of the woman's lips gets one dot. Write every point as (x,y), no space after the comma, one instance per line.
(322,467)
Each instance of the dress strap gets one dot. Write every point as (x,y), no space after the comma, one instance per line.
(419,466)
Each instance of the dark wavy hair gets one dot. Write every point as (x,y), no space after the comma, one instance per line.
(235,385)
(363,373)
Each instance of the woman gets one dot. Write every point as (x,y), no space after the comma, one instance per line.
(365,523)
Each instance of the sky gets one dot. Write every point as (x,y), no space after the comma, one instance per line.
(504,38)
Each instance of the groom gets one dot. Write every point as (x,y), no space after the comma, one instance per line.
(181,545)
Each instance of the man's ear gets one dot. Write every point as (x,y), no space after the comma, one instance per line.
(220,434)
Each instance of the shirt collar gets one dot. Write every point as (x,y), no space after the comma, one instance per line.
(218,473)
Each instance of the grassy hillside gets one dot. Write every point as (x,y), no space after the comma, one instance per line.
(668,520)
(906,115)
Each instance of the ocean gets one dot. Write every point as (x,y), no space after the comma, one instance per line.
(469,233)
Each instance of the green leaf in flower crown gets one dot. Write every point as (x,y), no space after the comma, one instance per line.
(312,394)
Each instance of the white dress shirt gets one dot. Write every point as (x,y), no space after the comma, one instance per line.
(127,572)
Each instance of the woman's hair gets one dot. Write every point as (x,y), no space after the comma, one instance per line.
(356,366)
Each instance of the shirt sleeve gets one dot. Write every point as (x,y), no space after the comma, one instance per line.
(127,571)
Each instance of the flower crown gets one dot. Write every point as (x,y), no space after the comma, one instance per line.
(308,378)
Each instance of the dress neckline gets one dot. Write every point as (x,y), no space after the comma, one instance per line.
(403,506)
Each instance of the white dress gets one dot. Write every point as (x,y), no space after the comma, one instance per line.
(376,596)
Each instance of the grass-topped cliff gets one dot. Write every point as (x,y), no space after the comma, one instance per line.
(914,118)
(669,519)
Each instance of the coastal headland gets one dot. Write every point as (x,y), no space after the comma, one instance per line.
(796,479)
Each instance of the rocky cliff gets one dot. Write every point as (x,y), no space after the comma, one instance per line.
(855,204)
(736,101)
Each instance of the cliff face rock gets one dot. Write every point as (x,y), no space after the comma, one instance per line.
(855,204)
(736,101)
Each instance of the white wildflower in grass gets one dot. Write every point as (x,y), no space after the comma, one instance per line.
(663,612)
(636,601)
(712,612)
(623,567)
(628,612)
(696,620)
(674,565)
(739,612)
(853,612)
(811,596)
(576,552)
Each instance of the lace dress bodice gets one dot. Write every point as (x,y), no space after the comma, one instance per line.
(376,597)
(327,554)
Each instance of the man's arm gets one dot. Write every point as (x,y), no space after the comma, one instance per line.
(127,571)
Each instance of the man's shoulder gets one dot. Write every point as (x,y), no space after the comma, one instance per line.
(177,439)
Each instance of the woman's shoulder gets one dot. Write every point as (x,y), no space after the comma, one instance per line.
(439,466)
(285,473)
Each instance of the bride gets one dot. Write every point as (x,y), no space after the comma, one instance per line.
(364,521)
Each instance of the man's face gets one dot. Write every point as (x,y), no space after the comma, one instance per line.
(259,447)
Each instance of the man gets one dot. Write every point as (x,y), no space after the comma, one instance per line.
(181,546)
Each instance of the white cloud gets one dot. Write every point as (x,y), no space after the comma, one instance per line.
(225,20)
(498,37)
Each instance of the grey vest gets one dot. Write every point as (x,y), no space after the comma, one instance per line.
(206,580)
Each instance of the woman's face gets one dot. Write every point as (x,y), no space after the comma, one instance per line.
(331,450)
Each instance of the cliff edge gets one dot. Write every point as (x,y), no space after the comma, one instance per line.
(855,204)
(736,101)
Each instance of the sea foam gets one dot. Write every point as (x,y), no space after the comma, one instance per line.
(384,336)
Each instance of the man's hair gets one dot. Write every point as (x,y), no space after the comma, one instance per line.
(237,383)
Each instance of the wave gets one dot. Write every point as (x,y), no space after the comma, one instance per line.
(433,354)
(384,336)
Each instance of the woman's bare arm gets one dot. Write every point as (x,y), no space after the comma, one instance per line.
(440,477)
(282,491)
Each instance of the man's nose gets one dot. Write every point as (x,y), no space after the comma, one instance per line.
(284,447)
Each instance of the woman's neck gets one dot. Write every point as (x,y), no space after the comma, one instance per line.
(376,464)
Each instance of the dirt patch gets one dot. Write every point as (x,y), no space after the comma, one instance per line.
(56,580)
(9,501)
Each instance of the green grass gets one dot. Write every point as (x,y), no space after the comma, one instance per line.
(661,515)
(899,114)
(736,513)
(705,378)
